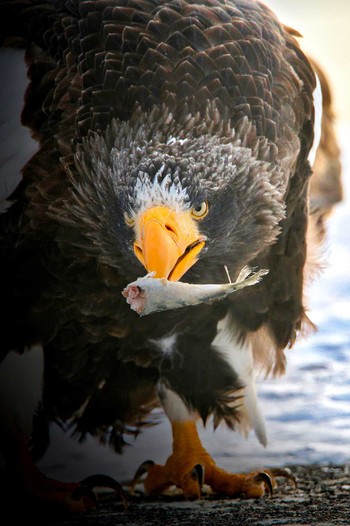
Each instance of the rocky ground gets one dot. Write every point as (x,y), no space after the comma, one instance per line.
(322,498)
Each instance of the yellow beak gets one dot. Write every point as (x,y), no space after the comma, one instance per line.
(167,242)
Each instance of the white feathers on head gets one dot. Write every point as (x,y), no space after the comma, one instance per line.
(160,190)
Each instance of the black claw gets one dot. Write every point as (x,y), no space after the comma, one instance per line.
(104,481)
(266,479)
(141,471)
(197,474)
(83,491)
(285,473)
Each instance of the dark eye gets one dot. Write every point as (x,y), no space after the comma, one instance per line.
(199,211)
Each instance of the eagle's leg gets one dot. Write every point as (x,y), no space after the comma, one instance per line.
(179,470)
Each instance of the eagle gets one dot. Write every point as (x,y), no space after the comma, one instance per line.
(175,137)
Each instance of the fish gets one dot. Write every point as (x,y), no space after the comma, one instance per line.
(148,294)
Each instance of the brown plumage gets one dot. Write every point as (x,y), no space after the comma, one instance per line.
(213,99)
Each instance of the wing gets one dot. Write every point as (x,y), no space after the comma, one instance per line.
(272,314)
(50,293)
(280,303)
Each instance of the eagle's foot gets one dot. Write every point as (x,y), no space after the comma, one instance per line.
(36,489)
(249,485)
(67,497)
(55,496)
(190,466)
(160,478)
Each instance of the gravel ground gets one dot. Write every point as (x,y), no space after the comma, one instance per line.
(322,499)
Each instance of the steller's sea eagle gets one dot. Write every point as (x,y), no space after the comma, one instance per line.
(175,137)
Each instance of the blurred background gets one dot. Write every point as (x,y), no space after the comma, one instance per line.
(326,37)
(308,410)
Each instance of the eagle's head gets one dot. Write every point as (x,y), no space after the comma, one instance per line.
(178,200)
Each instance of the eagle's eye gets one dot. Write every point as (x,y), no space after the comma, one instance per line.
(199,211)
(130,221)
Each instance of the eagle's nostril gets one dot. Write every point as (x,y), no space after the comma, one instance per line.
(170,229)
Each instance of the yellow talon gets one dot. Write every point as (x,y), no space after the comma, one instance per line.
(190,465)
